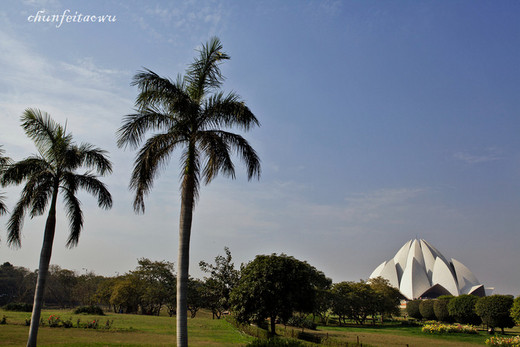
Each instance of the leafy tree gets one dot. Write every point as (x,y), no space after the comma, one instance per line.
(4,161)
(196,296)
(86,287)
(354,300)
(462,308)
(11,283)
(323,306)
(184,114)
(440,308)
(158,284)
(51,172)
(413,309)
(222,280)
(127,291)
(60,287)
(426,309)
(389,297)
(495,311)
(275,286)
(515,310)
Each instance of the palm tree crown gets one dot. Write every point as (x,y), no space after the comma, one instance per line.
(189,114)
(46,175)
(53,170)
(4,161)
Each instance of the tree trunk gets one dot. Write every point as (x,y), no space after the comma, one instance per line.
(273,326)
(187,201)
(43,269)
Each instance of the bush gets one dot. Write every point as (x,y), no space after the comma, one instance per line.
(301,322)
(276,342)
(412,308)
(426,309)
(504,341)
(462,308)
(92,309)
(18,306)
(515,311)
(440,308)
(437,328)
(495,311)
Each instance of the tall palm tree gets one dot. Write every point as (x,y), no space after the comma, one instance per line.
(4,161)
(51,172)
(185,114)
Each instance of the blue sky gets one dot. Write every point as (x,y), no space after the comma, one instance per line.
(381,122)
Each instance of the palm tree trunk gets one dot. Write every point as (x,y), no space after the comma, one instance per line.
(45,258)
(187,200)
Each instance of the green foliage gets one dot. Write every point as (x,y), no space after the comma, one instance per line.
(19,307)
(275,286)
(462,308)
(426,309)
(354,300)
(275,342)
(92,309)
(217,288)
(515,310)
(495,311)
(301,322)
(440,308)
(389,297)
(413,309)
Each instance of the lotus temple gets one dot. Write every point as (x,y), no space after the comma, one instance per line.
(419,270)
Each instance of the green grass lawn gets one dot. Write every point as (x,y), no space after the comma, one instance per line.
(127,330)
(138,330)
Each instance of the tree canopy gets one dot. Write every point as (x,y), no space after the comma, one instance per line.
(274,286)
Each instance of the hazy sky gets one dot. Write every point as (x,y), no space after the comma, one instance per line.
(381,122)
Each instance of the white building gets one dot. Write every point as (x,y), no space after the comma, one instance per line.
(419,270)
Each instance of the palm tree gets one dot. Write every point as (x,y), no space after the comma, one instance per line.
(47,174)
(4,161)
(185,115)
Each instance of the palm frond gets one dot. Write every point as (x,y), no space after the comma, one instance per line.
(136,125)
(95,158)
(89,183)
(3,207)
(243,149)
(74,215)
(15,222)
(229,111)
(151,157)
(217,155)
(204,73)
(41,128)
(20,171)
(40,189)
(4,161)
(159,92)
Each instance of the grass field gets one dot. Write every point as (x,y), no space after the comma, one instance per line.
(127,330)
(138,330)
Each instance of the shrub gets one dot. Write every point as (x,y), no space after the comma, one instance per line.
(495,311)
(426,309)
(504,341)
(412,308)
(462,308)
(301,322)
(276,342)
(437,328)
(92,309)
(18,306)
(440,308)
(515,311)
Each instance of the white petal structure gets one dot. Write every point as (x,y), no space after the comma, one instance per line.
(419,270)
